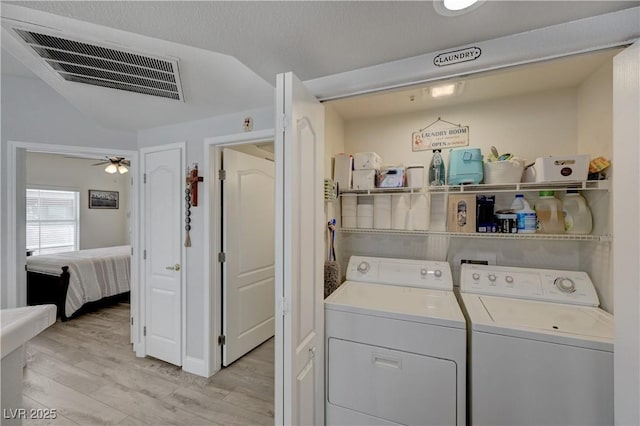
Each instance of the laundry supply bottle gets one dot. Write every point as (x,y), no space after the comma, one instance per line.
(525,215)
(577,216)
(549,212)
(436,169)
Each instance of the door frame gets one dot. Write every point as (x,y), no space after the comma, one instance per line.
(17,296)
(141,350)
(212,215)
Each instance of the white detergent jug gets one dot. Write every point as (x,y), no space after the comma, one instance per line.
(549,213)
(577,216)
(525,216)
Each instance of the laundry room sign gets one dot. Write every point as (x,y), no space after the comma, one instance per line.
(457,56)
(430,138)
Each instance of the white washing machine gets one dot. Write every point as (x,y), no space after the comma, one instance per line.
(541,350)
(396,345)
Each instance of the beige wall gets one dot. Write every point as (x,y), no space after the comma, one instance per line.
(527,126)
(98,227)
(556,122)
(334,135)
(595,113)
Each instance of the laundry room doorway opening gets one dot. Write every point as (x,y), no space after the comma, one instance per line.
(241,248)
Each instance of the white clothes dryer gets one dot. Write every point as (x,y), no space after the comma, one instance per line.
(541,350)
(395,345)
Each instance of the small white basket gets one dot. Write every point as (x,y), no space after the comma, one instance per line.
(509,171)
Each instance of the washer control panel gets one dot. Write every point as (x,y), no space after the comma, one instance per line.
(571,287)
(405,272)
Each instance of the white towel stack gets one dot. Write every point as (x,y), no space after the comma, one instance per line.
(400,204)
(421,211)
(382,211)
(365,212)
(349,210)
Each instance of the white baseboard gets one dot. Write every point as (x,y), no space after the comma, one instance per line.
(195,366)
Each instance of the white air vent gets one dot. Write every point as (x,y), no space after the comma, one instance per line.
(102,66)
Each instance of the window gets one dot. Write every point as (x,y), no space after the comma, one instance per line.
(52,221)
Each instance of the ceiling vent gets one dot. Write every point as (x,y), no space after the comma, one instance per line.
(106,67)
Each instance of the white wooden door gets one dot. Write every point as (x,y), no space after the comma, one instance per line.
(626,232)
(163,202)
(248,203)
(299,148)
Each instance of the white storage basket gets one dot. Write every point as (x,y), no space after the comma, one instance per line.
(509,171)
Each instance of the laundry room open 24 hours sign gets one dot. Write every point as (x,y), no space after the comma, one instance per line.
(449,137)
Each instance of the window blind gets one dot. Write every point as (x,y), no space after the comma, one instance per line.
(52,221)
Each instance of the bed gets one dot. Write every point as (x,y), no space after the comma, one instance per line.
(75,279)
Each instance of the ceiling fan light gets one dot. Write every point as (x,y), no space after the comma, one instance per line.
(111,168)
(122,169)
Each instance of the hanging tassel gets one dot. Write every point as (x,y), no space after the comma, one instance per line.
(187,217)
(187,240)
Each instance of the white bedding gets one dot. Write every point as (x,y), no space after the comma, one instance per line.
(94,273)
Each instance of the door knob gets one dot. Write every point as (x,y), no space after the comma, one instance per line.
(175,267)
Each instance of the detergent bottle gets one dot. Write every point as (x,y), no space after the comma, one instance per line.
(577,216)
(526,216)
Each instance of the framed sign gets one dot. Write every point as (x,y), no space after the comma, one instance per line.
(103,199)
(448,137)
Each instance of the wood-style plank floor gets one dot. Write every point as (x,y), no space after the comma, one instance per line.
(85,368)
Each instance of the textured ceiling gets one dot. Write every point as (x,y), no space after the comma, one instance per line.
(230,51)
(316,39)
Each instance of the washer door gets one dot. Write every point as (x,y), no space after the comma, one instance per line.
(392,385)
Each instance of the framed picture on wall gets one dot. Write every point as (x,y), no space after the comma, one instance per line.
(103,199)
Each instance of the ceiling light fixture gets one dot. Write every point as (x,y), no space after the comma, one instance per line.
(455,7)
(111,168)
(122,169)
(444,90)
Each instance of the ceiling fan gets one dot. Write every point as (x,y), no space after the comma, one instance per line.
(115,164)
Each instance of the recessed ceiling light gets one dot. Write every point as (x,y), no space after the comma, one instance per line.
(455,7)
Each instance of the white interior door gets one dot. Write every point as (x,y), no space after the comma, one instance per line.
(299,148)
(163,201)
(626,232)
(248,203)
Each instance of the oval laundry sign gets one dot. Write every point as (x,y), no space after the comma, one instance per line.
(457,56)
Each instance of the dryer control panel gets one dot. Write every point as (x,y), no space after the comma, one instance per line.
(405,272)
(571,287)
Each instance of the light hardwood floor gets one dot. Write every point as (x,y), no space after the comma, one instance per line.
(86,370)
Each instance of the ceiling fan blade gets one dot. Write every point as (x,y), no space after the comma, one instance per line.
(101,163)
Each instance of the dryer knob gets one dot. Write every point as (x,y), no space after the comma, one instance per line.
(424,272)
(565,285)
(437,273)
(475,276)
(492,277)
(509,279)
(363,267)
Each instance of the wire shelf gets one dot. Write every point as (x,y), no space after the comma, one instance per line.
(500,236)
(484,188)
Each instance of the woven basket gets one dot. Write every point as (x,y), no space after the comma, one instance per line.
(509,171)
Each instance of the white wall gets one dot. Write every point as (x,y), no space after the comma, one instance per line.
(98,227)
(194,133)
(33,112)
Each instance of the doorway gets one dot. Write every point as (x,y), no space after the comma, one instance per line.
(255,147)
(16,238)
